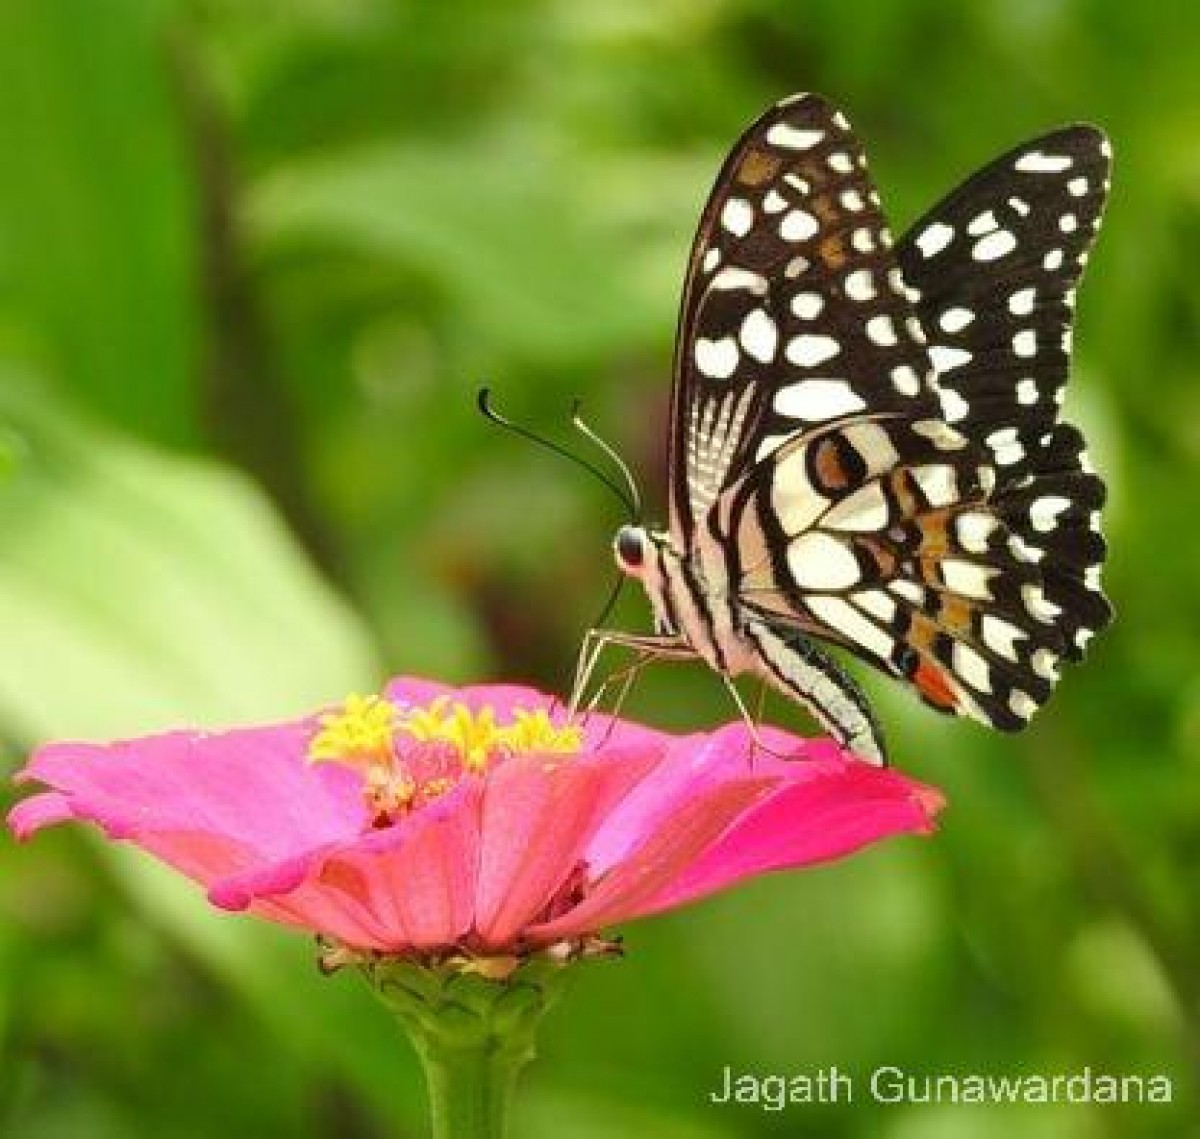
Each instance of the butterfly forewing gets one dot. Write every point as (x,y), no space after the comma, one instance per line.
(810,426)
(794,311)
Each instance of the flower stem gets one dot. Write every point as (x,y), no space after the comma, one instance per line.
(473,1033)
(470,1089)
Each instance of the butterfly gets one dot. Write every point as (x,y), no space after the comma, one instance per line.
(866,446)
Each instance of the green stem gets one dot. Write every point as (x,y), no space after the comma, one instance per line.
(470,1090)
(473,1033)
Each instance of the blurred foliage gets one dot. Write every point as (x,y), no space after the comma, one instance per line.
(255,258)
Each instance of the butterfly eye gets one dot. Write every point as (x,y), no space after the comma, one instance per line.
(630,548)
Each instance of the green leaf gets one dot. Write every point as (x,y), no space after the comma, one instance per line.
(98,265)
(484,226)
(139,590)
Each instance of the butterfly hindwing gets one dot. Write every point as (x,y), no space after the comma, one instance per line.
(878,534)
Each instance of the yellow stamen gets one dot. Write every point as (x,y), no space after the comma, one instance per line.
(535,731)
(359,733)
(477,738)
(364,733)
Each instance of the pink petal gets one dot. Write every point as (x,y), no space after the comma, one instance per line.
(208,804)
(410,885)
(538,817)
(828,810)
(44,810)
(251,785)
(691,766)
(659,861)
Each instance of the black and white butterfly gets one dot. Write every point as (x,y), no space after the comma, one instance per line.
(865,438)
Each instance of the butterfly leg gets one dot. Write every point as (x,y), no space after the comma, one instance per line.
(625,677)
(595,641)
(751,721)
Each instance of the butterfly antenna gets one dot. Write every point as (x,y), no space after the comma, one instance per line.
(484,401)
(635,495)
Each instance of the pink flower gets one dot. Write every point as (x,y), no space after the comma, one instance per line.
(476,820)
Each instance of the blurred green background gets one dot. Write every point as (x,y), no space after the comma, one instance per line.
(255,257)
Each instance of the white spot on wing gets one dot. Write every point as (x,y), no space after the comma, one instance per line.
(1045,664)
(717,359)
(974,528)
(937,483)
(798,225)
(946,359)
(1021,704)
(863,240)
(817,399)
(759,336)
(1038,162)
(908,591)
(818,561)
(737,216)
(793,138)
(774,202)
(881,330)
(877,603)
(807,306)
(954,407)
(905,380)
(843,617)
(940,434)
(1025,343)
(932,240)
(1037,606)
(733,278)
(874,444)
(1021,302)
(971,668)
(967,578)
(807,351)
(994,245)
(1006,446)
(1044,512)
(956,319)
(859,285)
(1027,392)
(982,223)
(1001,636)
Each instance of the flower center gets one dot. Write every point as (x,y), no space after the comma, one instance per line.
(409,756)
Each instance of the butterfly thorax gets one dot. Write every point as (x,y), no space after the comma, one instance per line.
(689,595)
